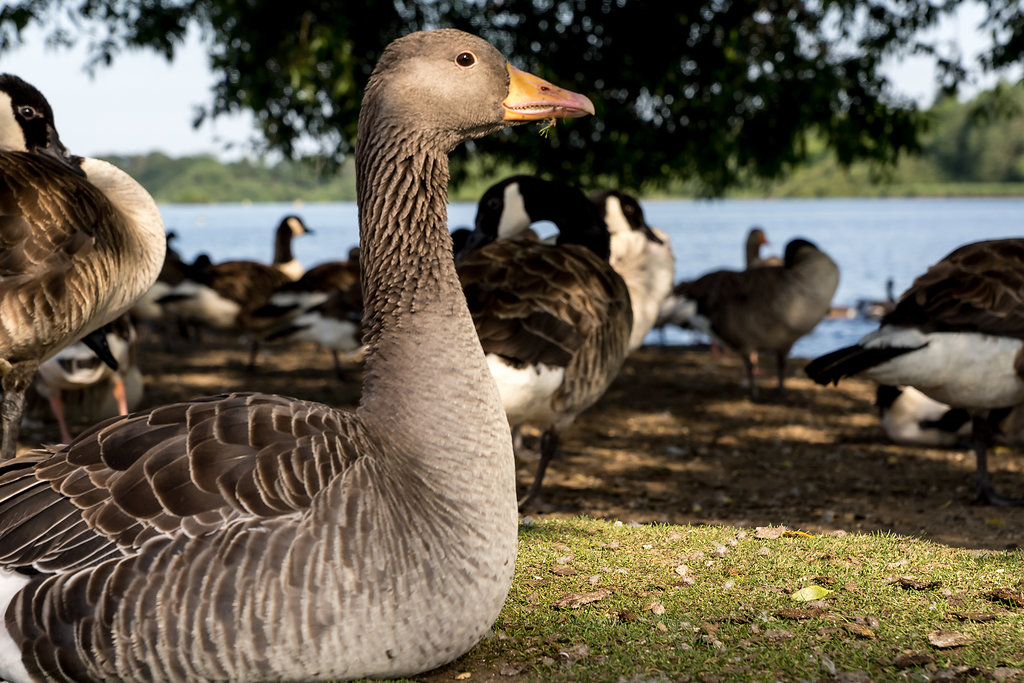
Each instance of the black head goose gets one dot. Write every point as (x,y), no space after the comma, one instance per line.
(764,309)
(256,537)
(80,241)
(554,320)
(77,368)
(955,335)
(289,228)
(641,254)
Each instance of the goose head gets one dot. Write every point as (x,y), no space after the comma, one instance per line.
(622,212)
(795,250)
(446,86)
(293,227)
(510,206)
(26,123)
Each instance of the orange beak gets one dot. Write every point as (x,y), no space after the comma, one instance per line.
(532,99)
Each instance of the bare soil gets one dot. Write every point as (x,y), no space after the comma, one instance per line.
(675,440)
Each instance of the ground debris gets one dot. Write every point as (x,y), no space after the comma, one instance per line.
(577,600)
(943,639)
(912,584)
(910,658)
(1009,596)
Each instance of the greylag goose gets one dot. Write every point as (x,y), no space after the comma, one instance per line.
(80,241)
(767,308)
(256,537)
(752,250)
(641,254)
(957,335)
(554,320)
(76,368)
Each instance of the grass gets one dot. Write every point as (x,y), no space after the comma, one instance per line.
(602,601)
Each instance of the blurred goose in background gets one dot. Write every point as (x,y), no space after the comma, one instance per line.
(956,335)
(642,255)
(554,320)
(80,241)
(756,238)
(289,228)
(324,306)
(763,309)
(910,417)
(877,309)
(76,368)
(262,517)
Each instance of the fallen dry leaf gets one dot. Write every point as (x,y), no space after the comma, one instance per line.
(911,584)
(791,534)
(1007,595)
(661,626)
(564,570)
(800,613)
(656,607)
(465,675)
(943,639)
(682,570)
(905,660)
(973,616)
(859,630)
(577,600)
(769,532)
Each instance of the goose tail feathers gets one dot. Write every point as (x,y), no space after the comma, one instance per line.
(850,361)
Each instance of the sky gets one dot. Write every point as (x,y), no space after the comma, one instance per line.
(143,103)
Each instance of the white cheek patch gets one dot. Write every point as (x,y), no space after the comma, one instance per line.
(296,226)
(12,138)
(514,218)
(615,217)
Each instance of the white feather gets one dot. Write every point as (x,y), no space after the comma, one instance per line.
(526,392)
(11,667)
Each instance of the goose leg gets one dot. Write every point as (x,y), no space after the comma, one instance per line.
(548,446)
(57,406)
(981,434)
(254,350)
(780,368)
(15,383)
(120,395)
(750,376)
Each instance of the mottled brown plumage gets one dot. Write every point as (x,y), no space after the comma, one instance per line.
(80,241)
(978,288)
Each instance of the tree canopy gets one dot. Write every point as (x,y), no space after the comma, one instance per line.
(708,90)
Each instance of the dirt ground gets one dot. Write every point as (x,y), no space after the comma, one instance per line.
(675,440)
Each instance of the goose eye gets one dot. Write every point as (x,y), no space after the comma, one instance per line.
(27,112)
(494,203)
(465,59)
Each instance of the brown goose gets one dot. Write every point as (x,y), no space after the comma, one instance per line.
(554,320)
(752,250)
(257,537)
(957,335)
(767,308)
(80,241)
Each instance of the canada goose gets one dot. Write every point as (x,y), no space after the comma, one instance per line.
(257,537)
(767,308)
(956,335)
(554,320)
(76,367)
(641,254)
(876,310)
(752,250)
(910,417)
(80,241)
(324,306)
(284,260)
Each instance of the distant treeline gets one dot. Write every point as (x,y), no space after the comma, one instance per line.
(972,148)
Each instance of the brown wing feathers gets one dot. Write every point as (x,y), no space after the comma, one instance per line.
(247,454)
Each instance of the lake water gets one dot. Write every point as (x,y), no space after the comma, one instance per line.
(871,239)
